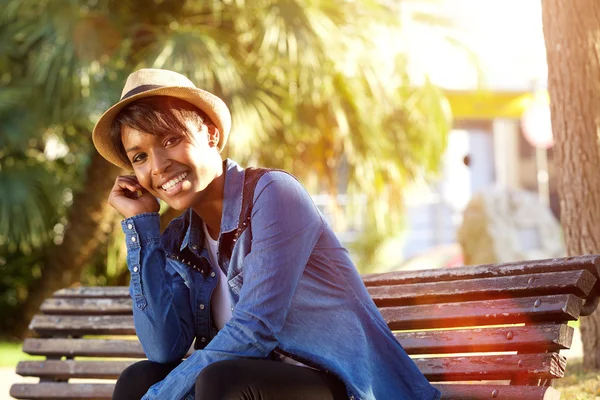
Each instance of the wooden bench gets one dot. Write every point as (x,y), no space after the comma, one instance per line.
(479,332)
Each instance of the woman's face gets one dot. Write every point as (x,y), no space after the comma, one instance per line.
(174,167)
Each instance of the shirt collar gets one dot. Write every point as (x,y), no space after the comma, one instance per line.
(232,206)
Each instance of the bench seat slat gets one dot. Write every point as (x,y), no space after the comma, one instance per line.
(479,368)
(530,338)
(486,312)
(101,391)
(541,337)
(497,392)
(84,348)
(590,263)
(65,391)
(72,369)
(564,307)
(535,366)
(578,283)
(82,325)
(87,306)
(93,291)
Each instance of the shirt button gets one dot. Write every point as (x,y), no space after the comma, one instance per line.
(231,309)
(133,239)
(203,339)
(212,274)
(129,226)
(202,306)
(351,397)
(135,269)
(194,247)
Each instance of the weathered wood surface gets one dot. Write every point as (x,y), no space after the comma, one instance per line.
(70,391)
(72,369)
(82,325)
(590,263)
(563,307)
(93,291)
(87,306)
(478,368)
(552,337)
(85,348)
(474,368)
(486,312)
(99,391)
(496,392)
(578,283)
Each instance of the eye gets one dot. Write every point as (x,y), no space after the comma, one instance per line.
(171,141)
(139,157)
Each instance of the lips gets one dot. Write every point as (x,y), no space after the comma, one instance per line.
(171,183)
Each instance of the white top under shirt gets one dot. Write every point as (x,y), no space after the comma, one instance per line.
(221,302)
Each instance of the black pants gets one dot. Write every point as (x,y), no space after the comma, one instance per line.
(237,379)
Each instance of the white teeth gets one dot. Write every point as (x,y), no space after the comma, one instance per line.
(174,181)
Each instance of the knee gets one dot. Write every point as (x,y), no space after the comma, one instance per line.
(215,381)
(136,379)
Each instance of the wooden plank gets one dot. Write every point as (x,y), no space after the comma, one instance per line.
(486,312)
(551,337)
(72,369)
(558,308)
(82,325)
(87,306)
(538,366)
(65,391)
(589,263)
(497,392)
(530,338)
(503,367)
(93,291)
(578,283)
(85,348)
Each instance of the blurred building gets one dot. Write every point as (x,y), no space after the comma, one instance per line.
(489,87)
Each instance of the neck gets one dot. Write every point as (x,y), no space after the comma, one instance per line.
(210,207)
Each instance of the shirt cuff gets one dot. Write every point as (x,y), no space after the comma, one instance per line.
(141,228)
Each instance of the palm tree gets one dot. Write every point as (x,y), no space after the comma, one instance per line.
(282,66)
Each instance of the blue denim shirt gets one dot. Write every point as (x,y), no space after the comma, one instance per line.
(293,287)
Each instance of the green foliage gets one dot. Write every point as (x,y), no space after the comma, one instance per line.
(308,84)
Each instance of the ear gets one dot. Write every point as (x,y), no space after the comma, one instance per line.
(213,135)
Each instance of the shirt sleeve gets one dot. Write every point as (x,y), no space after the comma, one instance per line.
(286,226)
(162,315)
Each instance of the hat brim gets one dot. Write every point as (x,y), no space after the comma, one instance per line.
(210,104)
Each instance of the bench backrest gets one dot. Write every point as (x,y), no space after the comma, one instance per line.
(501,326)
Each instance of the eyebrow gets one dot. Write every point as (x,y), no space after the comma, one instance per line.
(132,148)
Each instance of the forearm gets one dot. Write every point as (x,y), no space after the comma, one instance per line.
(161,320)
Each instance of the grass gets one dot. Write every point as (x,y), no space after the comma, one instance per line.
(577,383)
(11,354)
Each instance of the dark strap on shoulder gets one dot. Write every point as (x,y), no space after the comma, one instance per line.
(251,178)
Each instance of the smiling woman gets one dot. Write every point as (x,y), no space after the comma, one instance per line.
(251,273)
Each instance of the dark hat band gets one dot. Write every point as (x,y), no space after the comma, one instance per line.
(140,89)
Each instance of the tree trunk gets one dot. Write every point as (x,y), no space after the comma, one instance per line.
(571,30)
(83,235)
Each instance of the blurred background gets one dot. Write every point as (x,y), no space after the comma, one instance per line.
(420,127)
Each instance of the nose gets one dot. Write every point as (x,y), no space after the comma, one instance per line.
(160,162)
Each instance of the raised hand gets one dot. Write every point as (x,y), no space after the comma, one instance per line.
(129,197)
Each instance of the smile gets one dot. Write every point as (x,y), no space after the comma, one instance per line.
(173,182)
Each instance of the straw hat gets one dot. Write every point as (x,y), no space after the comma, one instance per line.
(159,82)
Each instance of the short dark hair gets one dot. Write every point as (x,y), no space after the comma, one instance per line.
(156,115)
